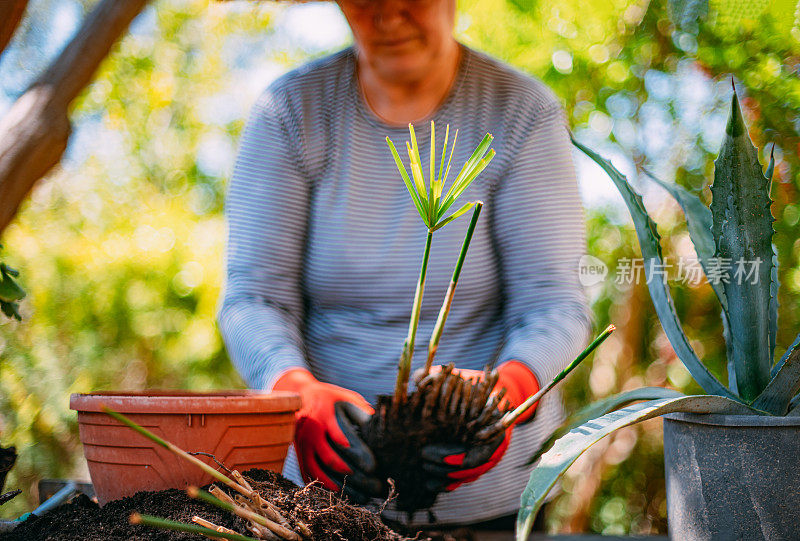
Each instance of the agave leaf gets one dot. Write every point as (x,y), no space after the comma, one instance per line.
(600,408)
(649,239)
(742,225)
(726,336)
(774,286)
(566,450)
(771,165)
(779,392)
(780,363)
(698,222)
(794,407)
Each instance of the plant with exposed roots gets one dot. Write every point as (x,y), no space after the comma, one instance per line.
(445,407)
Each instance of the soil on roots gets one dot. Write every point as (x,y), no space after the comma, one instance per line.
(444,409)
(329,517)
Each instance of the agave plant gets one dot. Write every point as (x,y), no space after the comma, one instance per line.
(432,208)
(10,292)
(736,228)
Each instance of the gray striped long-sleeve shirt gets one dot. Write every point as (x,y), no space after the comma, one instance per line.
(325,246)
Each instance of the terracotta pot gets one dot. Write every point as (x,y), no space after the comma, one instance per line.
(241,429)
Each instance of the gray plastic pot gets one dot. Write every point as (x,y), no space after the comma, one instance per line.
(732,477)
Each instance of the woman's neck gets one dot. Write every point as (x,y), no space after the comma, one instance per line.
(400,102)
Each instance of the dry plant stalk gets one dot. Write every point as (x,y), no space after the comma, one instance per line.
(211,526)
(264,520)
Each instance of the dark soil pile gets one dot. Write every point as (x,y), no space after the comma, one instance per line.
(444,409)
(329,517)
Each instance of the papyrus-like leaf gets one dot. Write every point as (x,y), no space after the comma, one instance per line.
(742,225)
(648,237)
(566,450)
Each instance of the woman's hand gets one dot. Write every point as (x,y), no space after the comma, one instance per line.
(451,465)
(327,443)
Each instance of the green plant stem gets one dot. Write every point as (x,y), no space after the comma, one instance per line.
(404,365)
(511,417)
(165,524)
(177,450)
(433,344)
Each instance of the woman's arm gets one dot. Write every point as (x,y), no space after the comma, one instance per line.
(539,231)
(261,316)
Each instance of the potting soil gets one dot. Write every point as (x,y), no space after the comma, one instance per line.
(329,517)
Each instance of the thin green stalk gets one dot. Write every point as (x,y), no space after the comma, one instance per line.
(510,418)
(165,524)
(177,450)
(433,344)
(404,365)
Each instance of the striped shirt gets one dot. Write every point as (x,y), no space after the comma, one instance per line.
(325,245)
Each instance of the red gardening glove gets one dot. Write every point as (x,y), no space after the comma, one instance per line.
(451,465)
(326,438)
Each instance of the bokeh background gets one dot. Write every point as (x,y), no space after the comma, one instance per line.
(121,246)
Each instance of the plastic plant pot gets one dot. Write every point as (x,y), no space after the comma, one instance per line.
(732,477)
(242,429)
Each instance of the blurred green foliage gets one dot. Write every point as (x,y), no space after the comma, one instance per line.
(121,248)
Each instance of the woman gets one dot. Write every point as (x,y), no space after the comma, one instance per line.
(325,245)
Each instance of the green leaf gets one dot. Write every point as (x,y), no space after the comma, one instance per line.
(457,190)
(780,363)
(781,389)
(455,215)
(10,309)
(775,283)
(416,173)
(404,174)
(566,450)
(600,408)
(8,270)
(742,224)
(698,222)
(470,164)
(9,289)
(649,239)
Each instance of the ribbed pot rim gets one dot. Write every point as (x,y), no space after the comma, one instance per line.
(183,402)
(716,419)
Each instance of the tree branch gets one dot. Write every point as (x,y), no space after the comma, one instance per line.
(34,133)
(10,16)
